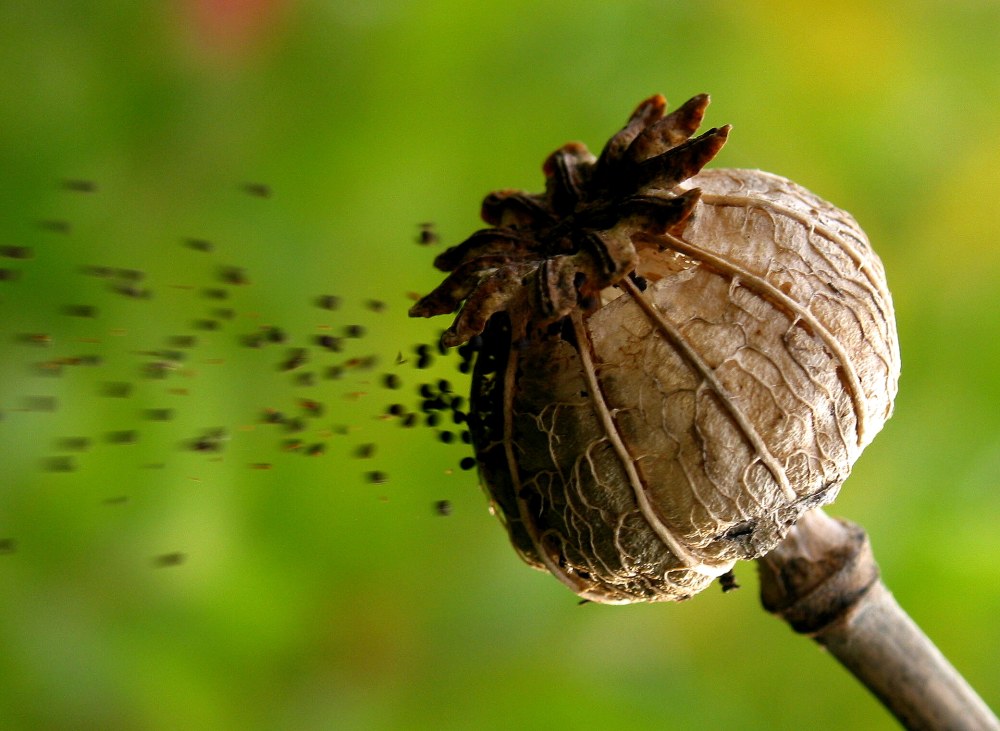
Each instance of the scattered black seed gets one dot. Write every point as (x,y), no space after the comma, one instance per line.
(444,386)
(396,410)
(254,340)
(40,403)
(315,450)
(354,331)
(391,380)
(639,281)
(377,477)
(35,339)
(132,275)
(464,368)
(297,357)
(363,364)
(79,186)
(466,437)
(432,420)
(80,310)
(433,404)
(130,290)
(98,271)
(56,226)
(458,417)
(364,451)
(224,313)
(334,372)
(60,463)
(211,440)
(158,414)
(260,190)
(457,403)
(198,244)
(233,275)
(165,560)
(311,407)
(341,429)
(9,275)
(467,463)
(728,582)
(426,391)
(16,252)
(275,335)
(424,361)
(73,444)
(330,342)
(427,235)
(116,389)
(443,507)
(214,293)
(205,324)
(409,420)
(8,545)
(129,436)
(446,437)
(158,369)
(328,301)
(305,379)
(272,416)
(48,368)
(183,341)
(87,360)
(295,425)
(376,305)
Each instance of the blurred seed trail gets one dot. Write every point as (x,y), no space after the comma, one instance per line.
(318,373)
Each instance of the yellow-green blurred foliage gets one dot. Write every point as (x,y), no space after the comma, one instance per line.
(308,597)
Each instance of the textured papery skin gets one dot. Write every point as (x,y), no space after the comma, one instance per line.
(674,364)
(727,397)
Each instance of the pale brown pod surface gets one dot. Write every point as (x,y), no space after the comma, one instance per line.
(708,369)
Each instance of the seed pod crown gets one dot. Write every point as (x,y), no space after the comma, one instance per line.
(673,364)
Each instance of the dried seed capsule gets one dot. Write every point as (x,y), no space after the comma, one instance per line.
(660,394)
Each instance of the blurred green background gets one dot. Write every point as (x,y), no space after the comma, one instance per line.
(148,586)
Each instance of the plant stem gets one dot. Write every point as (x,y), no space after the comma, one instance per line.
(823,580)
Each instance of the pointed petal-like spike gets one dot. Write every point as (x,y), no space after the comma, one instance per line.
(670,131)
(667,170)
(657,213)
(566,173)
(447,296)
(648,112)
(493,295)
(485,242)
(525,209)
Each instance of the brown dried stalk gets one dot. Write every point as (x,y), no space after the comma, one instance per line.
(823,580)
